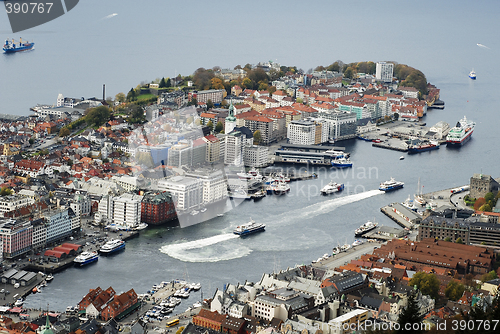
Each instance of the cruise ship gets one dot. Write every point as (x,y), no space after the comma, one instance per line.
(331,188)
(461,133)
(251,227)
(86,258)
(112,246)
(391,185)
(365,228)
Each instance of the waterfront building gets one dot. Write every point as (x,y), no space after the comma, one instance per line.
(126,209)
(409,92)
(265,125)
(441,228)
(359,108)
(93,294)
(186,192)
(214,184)
(128,183)
(58,224)
(234,145)
(157,208)
(256,156)
(17,237)
(481,184)
(384,71)
(120,304)
(281,304)
(301,132)
(341,125)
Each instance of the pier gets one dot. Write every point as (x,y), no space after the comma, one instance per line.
(389,146)
(385,233)
(403,216)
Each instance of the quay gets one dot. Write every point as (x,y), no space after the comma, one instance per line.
(389,146)
(343,258)
(401,215)
(385,233)
(305,154)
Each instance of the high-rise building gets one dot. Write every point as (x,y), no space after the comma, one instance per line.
(384,71)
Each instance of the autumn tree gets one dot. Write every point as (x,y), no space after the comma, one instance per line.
(5,191)
(210,125)
(202,78)
(428,284)
(349,73)
(257,137)
(454,290)
(217,83)
(120,97)
(98,116)
(479,202)
(64,132)
(247,83)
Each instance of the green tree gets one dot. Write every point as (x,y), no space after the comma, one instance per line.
(409,315)
(64,132)
(454,290)
(168,83)
(299,100)
(247,83)
(428,284)
(459,241)
(447,239)
(162,83)
(98,116)
(135,115)
(219,127)
(105,160)
(193,102)
(257,75)
(131,95)
(210,104)
(396,116)
(489,197)
(210,125)
(120,97)
(271,89)
(202,78)
(257,137)
(31,141)
(5,191)
(334,67)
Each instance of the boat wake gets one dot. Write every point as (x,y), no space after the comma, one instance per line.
(212,249)
(224,247)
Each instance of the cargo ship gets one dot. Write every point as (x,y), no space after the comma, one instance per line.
(461,133)
(391,185)
(12,47)
(423,147)
(251,227)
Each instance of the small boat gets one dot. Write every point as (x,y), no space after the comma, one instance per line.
(357,242)
(401,157)
(49,278)
(472,75)
(203,210)
(366,227)
(331,188)
(34,290)
(220,215)
(140,226)
(194,212)
(19,302)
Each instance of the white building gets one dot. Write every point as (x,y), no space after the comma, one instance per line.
(234,148)
(58,224)
(14,202)
(301,132)
(126,209)
(214,185)
(384,71)
(256,156)
(186,192)
(129,183)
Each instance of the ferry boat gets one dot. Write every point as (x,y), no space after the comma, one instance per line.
(86,258)
(331,188)
(391,185)
(12,47)
(472,75)
(461,133)
(112,246)
(341,163)
(251,227)
(365,228)
(423,147)
(337,154)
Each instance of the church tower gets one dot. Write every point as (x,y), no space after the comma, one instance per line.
(230,120)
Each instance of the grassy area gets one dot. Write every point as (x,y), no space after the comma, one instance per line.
(145,97)
(80,131)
